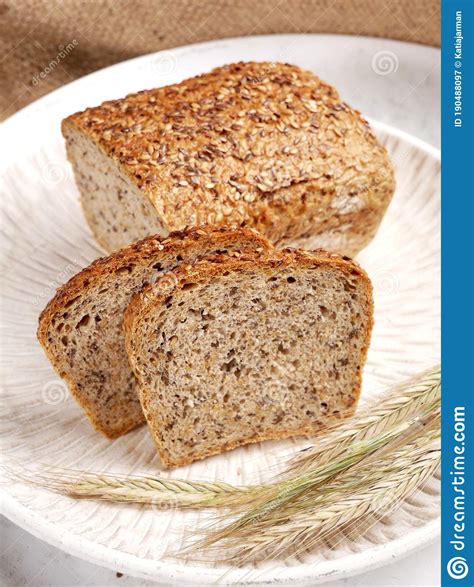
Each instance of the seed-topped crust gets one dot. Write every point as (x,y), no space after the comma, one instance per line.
(264,144)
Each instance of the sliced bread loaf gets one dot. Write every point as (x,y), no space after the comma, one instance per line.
(239,349)
(265,145)
(81,327)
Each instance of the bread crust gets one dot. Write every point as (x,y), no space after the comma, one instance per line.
(265,145)
(212,266)
(208,269)
(140,252)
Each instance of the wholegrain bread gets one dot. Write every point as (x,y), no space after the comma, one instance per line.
(81,327)
(265,145)
(238,349)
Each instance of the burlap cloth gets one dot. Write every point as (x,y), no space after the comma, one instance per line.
(81,36)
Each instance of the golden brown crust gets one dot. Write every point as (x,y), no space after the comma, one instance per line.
(206,270)
(268,145)
(140,252)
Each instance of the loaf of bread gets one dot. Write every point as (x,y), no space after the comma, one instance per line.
(248,347)
(264,145)
(81,328)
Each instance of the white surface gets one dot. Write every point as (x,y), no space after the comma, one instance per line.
(350,68)
(27,561)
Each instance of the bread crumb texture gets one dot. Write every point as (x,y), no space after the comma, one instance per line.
(81,329)
(247,347)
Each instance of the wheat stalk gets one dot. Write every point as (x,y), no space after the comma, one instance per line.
(393,407)
(308,528)
(180,493)
(267,499)
(361,470)
(343,512)
(305,494)
(147,490)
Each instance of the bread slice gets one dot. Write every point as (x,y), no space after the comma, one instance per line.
(81,327)
(265,145)
(239,349)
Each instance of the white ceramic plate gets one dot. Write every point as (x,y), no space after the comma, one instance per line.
(45,241)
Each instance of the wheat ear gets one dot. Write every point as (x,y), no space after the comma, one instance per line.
(148,490)
(304,492)
(392,407)
(306,530)
(362,470)
(343,510)
(266,498)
